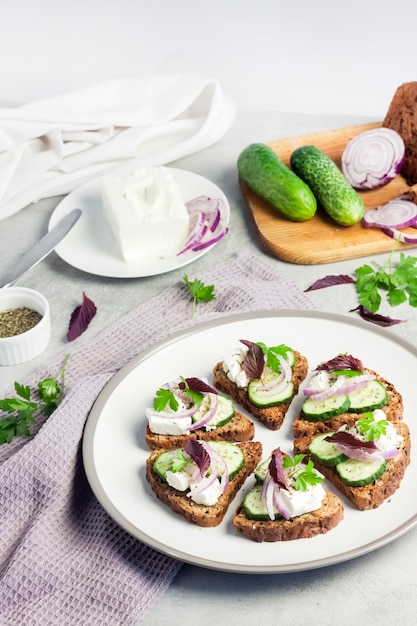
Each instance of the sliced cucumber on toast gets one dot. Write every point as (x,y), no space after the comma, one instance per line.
(360,473)
(326,452)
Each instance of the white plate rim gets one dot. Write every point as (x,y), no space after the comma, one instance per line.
(104,260)
(167,548)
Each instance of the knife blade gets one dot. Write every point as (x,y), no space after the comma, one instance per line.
(40,250)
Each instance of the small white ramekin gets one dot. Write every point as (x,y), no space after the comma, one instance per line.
(27,345)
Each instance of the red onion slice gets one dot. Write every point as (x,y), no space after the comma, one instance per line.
(280,383)
(206,224)
(203,484)
(210,413)
(373,158)
(341,386)
(398,213)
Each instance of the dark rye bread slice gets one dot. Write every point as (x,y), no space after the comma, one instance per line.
(239,428)
(303,526)
(402,117)
(373,495)
(206,516)
(271,417)
(301,426)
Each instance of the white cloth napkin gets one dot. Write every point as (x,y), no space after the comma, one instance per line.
(49,147)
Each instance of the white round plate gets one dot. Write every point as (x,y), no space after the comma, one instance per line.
(114,449)
(90,245)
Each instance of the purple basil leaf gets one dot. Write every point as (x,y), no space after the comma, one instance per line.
(254,361)
(199,455)
(81,317)
(276,469)
(330,281)
(342,362)
(196,384)
(381,320)
(347,439)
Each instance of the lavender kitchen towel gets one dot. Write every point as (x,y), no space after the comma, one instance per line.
(63,561)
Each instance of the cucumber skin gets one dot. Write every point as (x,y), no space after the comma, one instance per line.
(333,192)
(272,180)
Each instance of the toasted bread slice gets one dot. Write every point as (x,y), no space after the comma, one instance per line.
(373,495)
(202,515)
(272,417)
(303,427)
(238,429)
(303,526)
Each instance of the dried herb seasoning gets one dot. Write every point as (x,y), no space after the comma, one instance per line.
(17,321)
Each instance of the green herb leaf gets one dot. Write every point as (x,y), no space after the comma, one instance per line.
(398,282)
(272,354)
(199,292)
(305,476)
(22,409)
(369,428)
(165,397)
(308,477)
(178,461)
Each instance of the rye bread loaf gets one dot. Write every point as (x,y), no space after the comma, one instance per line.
(301,426)
(271,417)
(202,515)
(373,495)
(303,526)
(402,117)
(238,429)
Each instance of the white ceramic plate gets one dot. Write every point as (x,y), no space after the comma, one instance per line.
(91,247)
(114,451)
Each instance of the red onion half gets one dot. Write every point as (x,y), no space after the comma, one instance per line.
(373,158)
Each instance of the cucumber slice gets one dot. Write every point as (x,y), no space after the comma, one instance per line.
(253,506)
(326,452)
(262,470)
(225,412)
(370,397)
(325,409)
(266,399)
(231,453)
(163,463)
(360,473)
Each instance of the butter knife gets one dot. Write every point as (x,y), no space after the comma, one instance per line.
(40,250)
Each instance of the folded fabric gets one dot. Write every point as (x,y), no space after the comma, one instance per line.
(62,559)
(49,147)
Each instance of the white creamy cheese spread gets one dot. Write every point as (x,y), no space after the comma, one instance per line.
(299,502)
(145,212)
(232,366)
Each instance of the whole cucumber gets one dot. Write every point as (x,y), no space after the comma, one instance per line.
(272,180)
(325,179)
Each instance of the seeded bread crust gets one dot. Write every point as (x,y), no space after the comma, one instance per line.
(271,417)
(303,526)
(239,428)
(373,495)
(302,427)
(205,516)
(402,117)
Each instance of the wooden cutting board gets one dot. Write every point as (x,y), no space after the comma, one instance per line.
(321,240)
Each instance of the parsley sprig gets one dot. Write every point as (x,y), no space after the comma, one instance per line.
(22,409)
(166,397)
(272,354)
(398,281)
(199,292)
(371,429)
(303,478)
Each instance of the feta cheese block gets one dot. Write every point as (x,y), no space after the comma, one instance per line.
(145,212)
